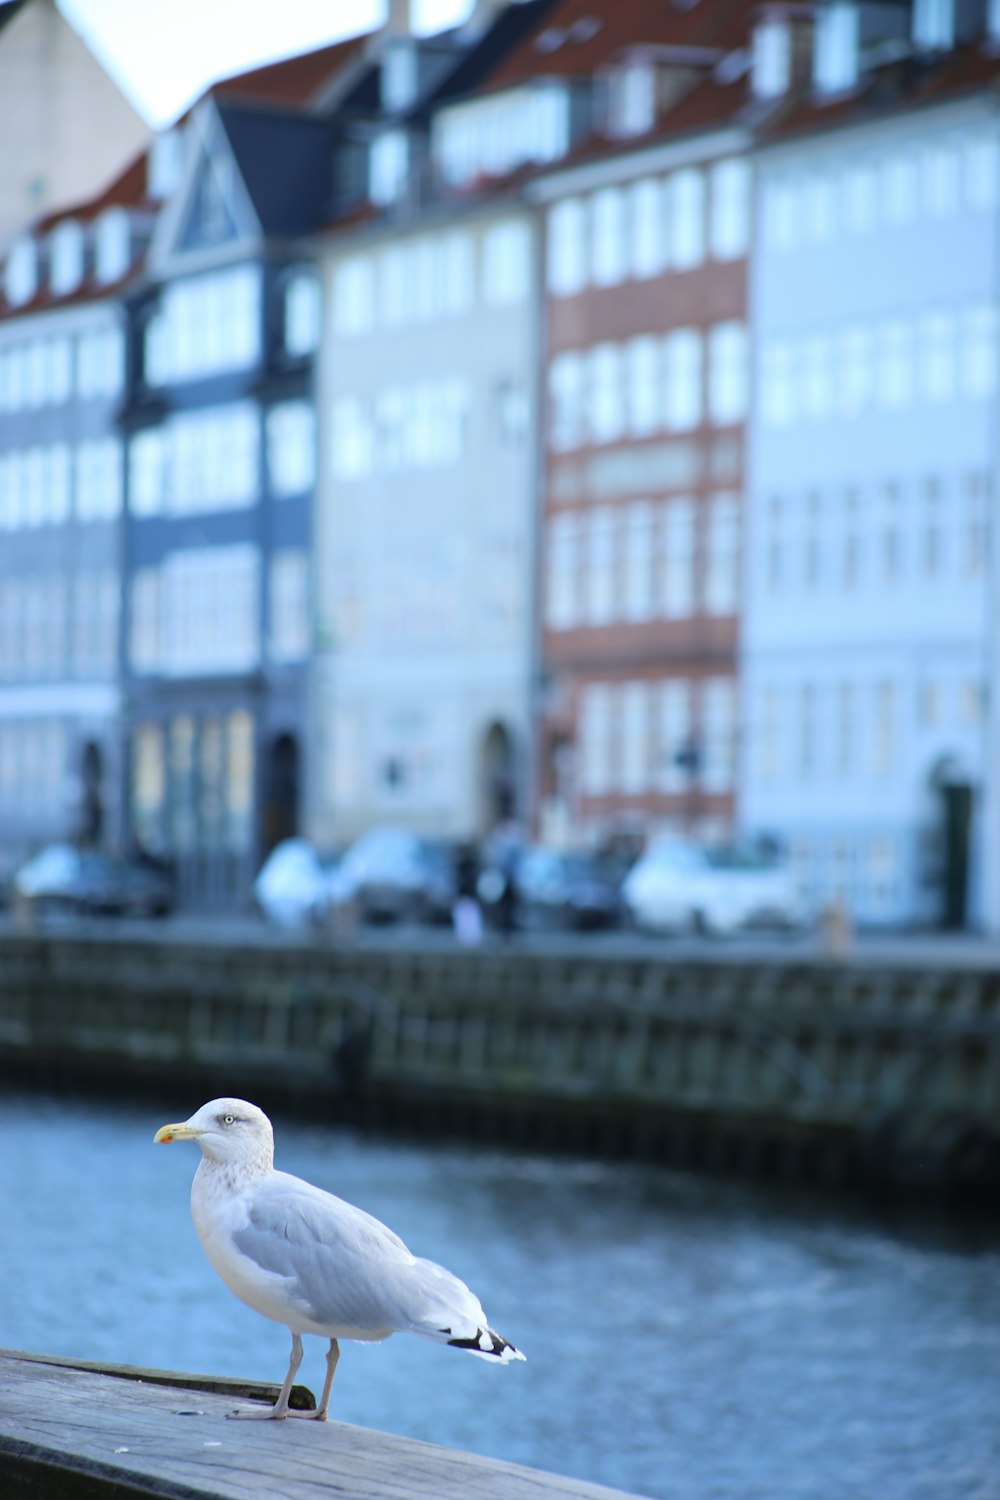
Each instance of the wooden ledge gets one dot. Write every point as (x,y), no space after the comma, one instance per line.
(81,1431)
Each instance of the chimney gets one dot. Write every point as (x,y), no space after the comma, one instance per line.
(397,18)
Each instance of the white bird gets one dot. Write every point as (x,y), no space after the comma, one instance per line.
(311,1261)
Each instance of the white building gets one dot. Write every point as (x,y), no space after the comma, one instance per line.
(867,625)
(424,527)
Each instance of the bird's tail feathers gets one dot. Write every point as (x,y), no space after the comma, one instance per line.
(487,1344)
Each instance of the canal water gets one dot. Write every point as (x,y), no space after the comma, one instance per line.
(686,1338)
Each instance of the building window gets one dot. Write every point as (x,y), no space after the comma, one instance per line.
(775,554)
(682,358)
(291,448)
(934,25)
(812,561)
(687,219)
(979,351)
(602,591)
(302,314)
(354,297)
(932,548)
(100,363)
(608,245)
(718,734)
(389,168)
(977,529)
(730,209)
(210,610)
(566,251)
(678,559)
(638,562)
(722,574)
(836,46)
(597,726)
(113,248)
(781,216)
(937,356)
(727,373)
(605,395)
(99,480)
(21,273)
(645,397)
(631,98)
(675,736)
(778,385)
(646,240)
(890,534)
(771,61)
(506,265)
(67,257)
(145,629)
(634,737)
(851,554)
(205,325)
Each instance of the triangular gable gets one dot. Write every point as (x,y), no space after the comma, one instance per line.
(210,210)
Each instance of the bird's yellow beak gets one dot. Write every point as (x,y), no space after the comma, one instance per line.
(168,1133)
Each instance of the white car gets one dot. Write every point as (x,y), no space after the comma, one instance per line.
(294,888)
(680,886)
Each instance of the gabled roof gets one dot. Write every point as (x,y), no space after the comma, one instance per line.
(284,161)
(293,80)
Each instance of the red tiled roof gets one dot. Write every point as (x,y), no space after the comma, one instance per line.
(897,88)
(293,80)
(579,37)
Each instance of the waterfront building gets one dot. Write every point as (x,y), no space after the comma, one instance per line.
(869,626)
(425,528)
(646,394)
(62,363)
(221,459)
(68,130)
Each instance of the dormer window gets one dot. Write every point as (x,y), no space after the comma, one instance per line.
(113,247)
(771,69)
(993,20)
(164,162)
(388,168)
(67,257)
(21,279)
(835,60)
(934,25)
(302,314)
(632,98)
(399,74)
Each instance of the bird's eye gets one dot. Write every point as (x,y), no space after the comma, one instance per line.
(229,1119)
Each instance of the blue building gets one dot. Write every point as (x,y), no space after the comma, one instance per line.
(867,627)
(62,364)
(221,458)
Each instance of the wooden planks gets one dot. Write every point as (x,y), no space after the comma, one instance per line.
(72,1433)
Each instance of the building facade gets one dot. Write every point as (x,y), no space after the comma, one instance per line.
(62,375)
(870,601)
(221,455)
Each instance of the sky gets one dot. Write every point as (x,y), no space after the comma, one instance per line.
(164,53)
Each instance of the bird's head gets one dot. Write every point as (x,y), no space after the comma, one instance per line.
(227,1130)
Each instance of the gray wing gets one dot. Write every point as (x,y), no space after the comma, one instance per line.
(345,1266)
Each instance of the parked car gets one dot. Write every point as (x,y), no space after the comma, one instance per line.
(63,878)
(295,887)
(393,875)
(566,889)
(681,886)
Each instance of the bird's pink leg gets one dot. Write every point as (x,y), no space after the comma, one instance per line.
(280,1407)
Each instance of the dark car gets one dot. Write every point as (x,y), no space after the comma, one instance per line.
(63,878)
(553,889)
(393,875)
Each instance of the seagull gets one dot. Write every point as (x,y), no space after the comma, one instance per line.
(311,1261)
